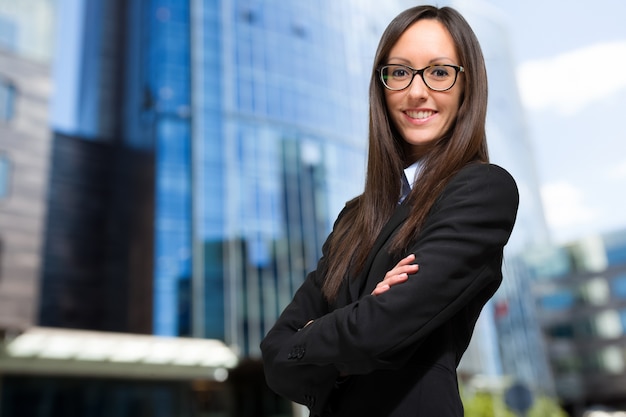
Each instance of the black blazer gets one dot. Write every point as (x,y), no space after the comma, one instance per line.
(400,348)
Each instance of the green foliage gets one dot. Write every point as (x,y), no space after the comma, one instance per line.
(546,407)
(487,404)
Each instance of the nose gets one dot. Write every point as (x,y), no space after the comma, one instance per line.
(418,88)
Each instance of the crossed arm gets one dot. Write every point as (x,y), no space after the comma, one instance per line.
(399,274)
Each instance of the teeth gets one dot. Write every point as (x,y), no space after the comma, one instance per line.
(419,114)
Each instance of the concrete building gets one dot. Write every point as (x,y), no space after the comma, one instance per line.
(25,138)
(24,153)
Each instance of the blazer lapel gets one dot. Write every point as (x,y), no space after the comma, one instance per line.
(358,283)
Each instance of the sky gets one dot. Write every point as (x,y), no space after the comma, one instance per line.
(570,59)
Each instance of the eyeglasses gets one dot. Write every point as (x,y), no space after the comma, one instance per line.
(436,77)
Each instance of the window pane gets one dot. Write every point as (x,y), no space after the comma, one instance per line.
(562,300)
(618,287)
(4,176)
(7,97)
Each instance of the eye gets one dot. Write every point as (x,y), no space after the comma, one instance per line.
(438,72)
(399,72)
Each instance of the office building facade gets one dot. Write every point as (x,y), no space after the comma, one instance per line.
(24,152)
(582,308)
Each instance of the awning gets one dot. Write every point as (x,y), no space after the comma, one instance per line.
(67,352)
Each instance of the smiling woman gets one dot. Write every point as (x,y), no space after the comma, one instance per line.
(380,326)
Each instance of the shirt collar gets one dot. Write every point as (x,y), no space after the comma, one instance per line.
(412,172)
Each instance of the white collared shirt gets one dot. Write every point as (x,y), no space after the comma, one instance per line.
(412,171)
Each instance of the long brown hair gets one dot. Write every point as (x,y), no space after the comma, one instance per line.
(355,232)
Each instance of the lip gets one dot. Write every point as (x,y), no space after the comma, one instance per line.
(419,116)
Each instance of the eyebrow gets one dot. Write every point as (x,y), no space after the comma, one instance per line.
(432,61)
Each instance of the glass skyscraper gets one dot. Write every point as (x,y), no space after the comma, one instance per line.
(259,128)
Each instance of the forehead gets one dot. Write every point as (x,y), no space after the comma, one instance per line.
(423,41)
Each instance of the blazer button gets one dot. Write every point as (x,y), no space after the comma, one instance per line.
(297,352)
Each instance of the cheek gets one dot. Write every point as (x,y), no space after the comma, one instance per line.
(455,105)
(389,104)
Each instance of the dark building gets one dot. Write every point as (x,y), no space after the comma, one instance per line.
(96,270)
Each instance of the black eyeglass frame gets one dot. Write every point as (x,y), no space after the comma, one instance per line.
(457,70)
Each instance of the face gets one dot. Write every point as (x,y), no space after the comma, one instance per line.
(421,115)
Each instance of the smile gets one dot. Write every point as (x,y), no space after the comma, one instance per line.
(420,114)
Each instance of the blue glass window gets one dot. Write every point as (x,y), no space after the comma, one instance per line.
(558,301)
(8,34)
(4,176)
(7,100)
(618,287)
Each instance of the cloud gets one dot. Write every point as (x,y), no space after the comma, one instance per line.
(570,81)
(618,172)
(564,206)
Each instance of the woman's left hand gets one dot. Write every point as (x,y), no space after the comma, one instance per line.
(397,275)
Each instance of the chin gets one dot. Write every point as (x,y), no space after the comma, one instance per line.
(421,142)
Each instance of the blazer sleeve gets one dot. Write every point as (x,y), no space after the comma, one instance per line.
(458,249)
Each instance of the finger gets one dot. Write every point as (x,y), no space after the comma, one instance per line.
(393,280)
(406,260)
(412,268)
(405,269)
(398,278)
(380,289)
(387,283)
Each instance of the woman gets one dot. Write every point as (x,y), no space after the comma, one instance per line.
(371,333)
